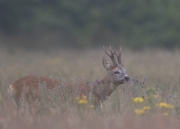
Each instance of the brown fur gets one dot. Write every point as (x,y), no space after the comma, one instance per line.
(98,91)
(29,86)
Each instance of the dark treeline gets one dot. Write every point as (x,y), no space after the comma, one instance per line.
(82,23)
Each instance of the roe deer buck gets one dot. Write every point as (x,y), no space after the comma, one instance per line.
(99,90)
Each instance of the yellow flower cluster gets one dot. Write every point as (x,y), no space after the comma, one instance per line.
(155,96)
(82,99)
(142,111)
(92,106)
(138,100)
(145,108)
(139,111)
(164,105)
(150,88)
(151,96)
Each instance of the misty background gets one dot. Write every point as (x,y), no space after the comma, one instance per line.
(45,24)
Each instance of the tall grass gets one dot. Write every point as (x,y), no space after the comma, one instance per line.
(154,78)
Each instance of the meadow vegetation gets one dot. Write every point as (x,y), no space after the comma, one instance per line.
(149,100)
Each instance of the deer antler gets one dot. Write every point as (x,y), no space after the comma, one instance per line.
(118,55)
(111,56)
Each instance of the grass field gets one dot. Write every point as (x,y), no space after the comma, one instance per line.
(150,100)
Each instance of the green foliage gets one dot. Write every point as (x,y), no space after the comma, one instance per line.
(138,23)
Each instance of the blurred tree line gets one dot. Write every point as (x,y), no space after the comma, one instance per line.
(134,23)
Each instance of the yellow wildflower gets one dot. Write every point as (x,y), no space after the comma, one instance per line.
(139,111)
(164,105)
(150,88)
(82,101)
(165,114)
(155,96)
(138,100)
(151,96)
(92,106)
(145,108)
(84,97)
(77,98)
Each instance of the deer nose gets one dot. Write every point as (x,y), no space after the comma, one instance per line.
(127,78)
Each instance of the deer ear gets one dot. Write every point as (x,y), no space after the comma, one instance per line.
(106,63)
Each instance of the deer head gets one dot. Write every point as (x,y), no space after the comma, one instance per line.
(116,71)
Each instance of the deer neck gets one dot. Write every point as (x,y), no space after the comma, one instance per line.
(103,89)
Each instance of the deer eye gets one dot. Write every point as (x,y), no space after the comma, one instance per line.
(116,72)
